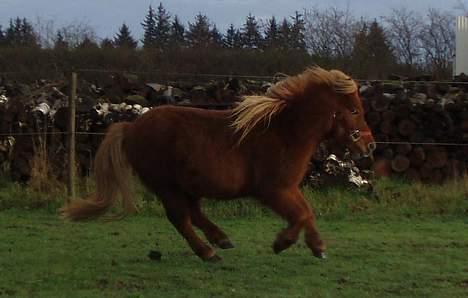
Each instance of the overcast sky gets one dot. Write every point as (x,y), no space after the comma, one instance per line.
(107,15)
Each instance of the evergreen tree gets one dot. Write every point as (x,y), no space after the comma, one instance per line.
(107,43)
(20,33)
(124,38)
(251,37)
(199,33)
(228,38)
(2,37)
(238,42)
(272,34)
(163,27)
(216,37)
(297,37)
(372,54)
(285,35)
(149,27)
(360,52)
(380,53)
(177,33)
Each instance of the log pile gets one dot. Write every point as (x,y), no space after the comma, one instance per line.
(34,118)
(406,119)
(409,120)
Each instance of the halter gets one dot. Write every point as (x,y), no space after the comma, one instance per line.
(356,135)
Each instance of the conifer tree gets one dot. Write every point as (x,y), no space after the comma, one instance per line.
(149,27)
(272,34)
(124,38)
(216,37)
(177,33)
(251,36)
(163,27)
(199,33)
(285,35)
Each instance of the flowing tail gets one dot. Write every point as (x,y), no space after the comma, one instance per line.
(112,172)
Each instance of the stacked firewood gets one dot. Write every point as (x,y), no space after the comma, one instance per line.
(422,129)
(34,117)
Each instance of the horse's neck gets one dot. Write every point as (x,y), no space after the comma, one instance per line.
(303,130)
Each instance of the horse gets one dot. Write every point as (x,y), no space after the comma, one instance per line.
(258,149)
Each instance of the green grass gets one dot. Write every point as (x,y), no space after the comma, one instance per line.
(403,240)
(42,256)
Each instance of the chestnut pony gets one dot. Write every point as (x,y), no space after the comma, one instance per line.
(259,149)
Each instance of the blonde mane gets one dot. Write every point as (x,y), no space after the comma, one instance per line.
(254,109)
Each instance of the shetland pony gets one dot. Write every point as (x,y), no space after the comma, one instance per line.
(259,149)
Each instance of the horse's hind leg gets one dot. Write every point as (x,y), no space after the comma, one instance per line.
(178,212)
(212,232)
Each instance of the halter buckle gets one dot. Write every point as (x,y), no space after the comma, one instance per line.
(355,135)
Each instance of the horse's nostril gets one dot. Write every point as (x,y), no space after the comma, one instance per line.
(372,146)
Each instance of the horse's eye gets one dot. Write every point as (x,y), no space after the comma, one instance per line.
(354,112)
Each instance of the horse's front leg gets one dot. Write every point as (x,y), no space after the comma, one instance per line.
(291,205)
(213,233)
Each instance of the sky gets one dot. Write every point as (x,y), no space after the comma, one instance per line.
(106,16)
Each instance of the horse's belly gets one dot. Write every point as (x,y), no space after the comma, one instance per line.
(224,184)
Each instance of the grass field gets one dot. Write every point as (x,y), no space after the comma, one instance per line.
(406,241)
(368,257)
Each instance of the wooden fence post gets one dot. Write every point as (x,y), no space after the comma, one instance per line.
(72,137)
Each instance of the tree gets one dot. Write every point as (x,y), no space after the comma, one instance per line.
(251,37)
(272,34)
(372,55)
(107,43)
(20,33)
(329,33)
(216,37)
(228,39)
(124,38)
(404,28)
(360,53)
(149,27)
(297,32)
(438,42)
(177,33)
(75,34)
(60,43)
(163,27)
(284,35)
(2,37)
(199,33)
(88,43)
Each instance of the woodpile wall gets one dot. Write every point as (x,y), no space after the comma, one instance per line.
(421,128)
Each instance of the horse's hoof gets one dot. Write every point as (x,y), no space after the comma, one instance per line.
(214,259)
(279,246)
(225,244)
(320,255)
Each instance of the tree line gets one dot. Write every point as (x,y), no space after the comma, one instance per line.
(404,42)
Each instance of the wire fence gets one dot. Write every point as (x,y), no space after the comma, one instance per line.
(230,75)
(103,134)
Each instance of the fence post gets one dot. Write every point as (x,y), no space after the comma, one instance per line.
(72,137)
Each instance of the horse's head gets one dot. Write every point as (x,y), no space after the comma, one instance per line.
(349,125)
